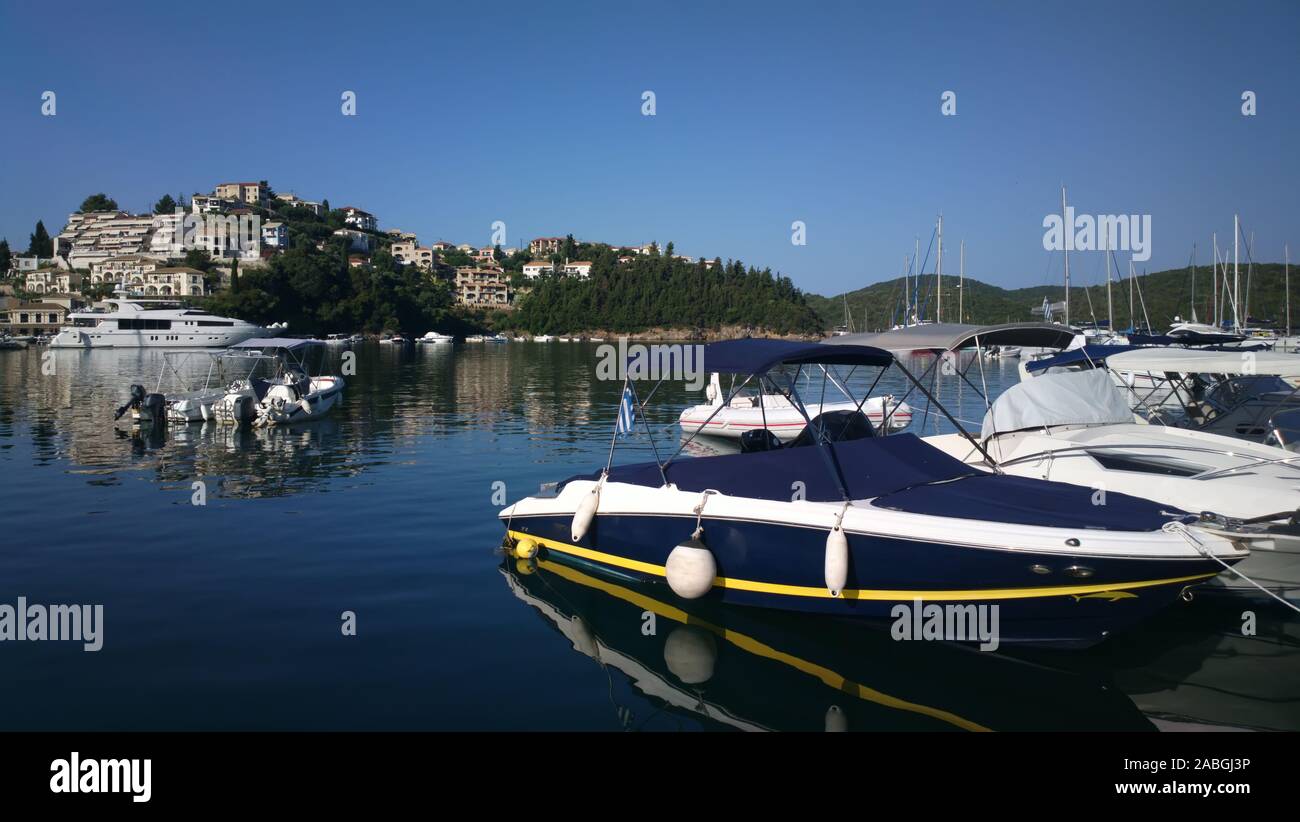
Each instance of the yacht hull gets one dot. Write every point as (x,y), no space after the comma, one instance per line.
(95,338)
(781,566)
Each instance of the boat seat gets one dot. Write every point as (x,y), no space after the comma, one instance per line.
(759,439)
(835,426)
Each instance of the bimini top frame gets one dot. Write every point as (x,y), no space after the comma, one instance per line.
(760,360)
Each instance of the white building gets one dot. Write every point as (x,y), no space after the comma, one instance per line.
(53,281)
(359,219)
(275,235)
(203,204)
(23,263)
(122,269)
(357,240)
(534,270)
(579,268)
(99,235)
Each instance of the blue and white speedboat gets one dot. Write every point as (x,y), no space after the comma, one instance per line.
(849,522)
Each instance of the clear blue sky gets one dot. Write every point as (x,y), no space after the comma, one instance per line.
(823,112)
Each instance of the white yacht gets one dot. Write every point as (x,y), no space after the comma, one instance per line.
(128,322)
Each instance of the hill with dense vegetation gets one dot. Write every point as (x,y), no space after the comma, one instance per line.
(657,291)
(1165,294)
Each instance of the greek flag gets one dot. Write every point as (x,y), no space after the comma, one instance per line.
(626,412)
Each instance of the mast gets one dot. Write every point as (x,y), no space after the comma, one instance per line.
(1286,255)
(1194,282)
(907,289)
(1236,278)
(938,278)
(961,287)
(1214,278)
(1110,305)
(916,263)
(1068,231)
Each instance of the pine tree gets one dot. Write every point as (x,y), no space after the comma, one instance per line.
(40,245)
(234,275)
(6,258)
(166,205)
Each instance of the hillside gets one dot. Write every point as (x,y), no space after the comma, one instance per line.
(1166,294)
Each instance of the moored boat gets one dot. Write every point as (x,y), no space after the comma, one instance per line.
(850,522)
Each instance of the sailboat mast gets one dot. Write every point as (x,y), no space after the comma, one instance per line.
(1236,277)
(916,292)
(1110,305)
(1286,255)
(961,287)
(1068,232)
(1214,275)
(938,278)
(1194,282)
(907,290)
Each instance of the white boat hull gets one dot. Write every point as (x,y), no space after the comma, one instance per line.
(785,421)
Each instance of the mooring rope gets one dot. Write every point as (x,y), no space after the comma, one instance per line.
(1175,527)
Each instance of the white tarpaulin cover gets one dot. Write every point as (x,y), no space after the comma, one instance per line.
(1073,398)
(1191,361)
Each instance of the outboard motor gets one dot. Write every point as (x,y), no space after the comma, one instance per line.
(137,398)
(154,407)
(244,408)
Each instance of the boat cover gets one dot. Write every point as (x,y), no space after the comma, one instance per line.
(953,336)
(900,472)
(1072,398)
(1094,354)
(1187,361)
(760,356)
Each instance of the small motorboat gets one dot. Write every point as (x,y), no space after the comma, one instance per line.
(475,338)
(394,339)
(288,395)
(8,343)
(338,339)
(1004,352)
(775,412)
(543,338)
(497,338)
(435,338)
(849,521)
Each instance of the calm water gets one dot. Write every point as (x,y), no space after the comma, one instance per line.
(227,615)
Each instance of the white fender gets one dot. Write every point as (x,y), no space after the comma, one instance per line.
(837,560)
(586,513)
(691,569)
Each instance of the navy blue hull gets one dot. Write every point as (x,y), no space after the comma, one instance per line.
(782,567)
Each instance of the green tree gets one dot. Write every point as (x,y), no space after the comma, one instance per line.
(234,275)
(198,258)
(6,258)
(40,243)
(166,205)
(98,202)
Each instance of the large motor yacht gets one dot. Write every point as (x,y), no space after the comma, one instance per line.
(128,322)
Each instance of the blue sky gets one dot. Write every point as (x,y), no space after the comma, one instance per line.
(827,113)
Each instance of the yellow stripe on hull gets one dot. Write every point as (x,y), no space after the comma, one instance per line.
(862,594)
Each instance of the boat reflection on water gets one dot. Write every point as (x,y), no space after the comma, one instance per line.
(1193,668)
(241,461)
(753,669)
